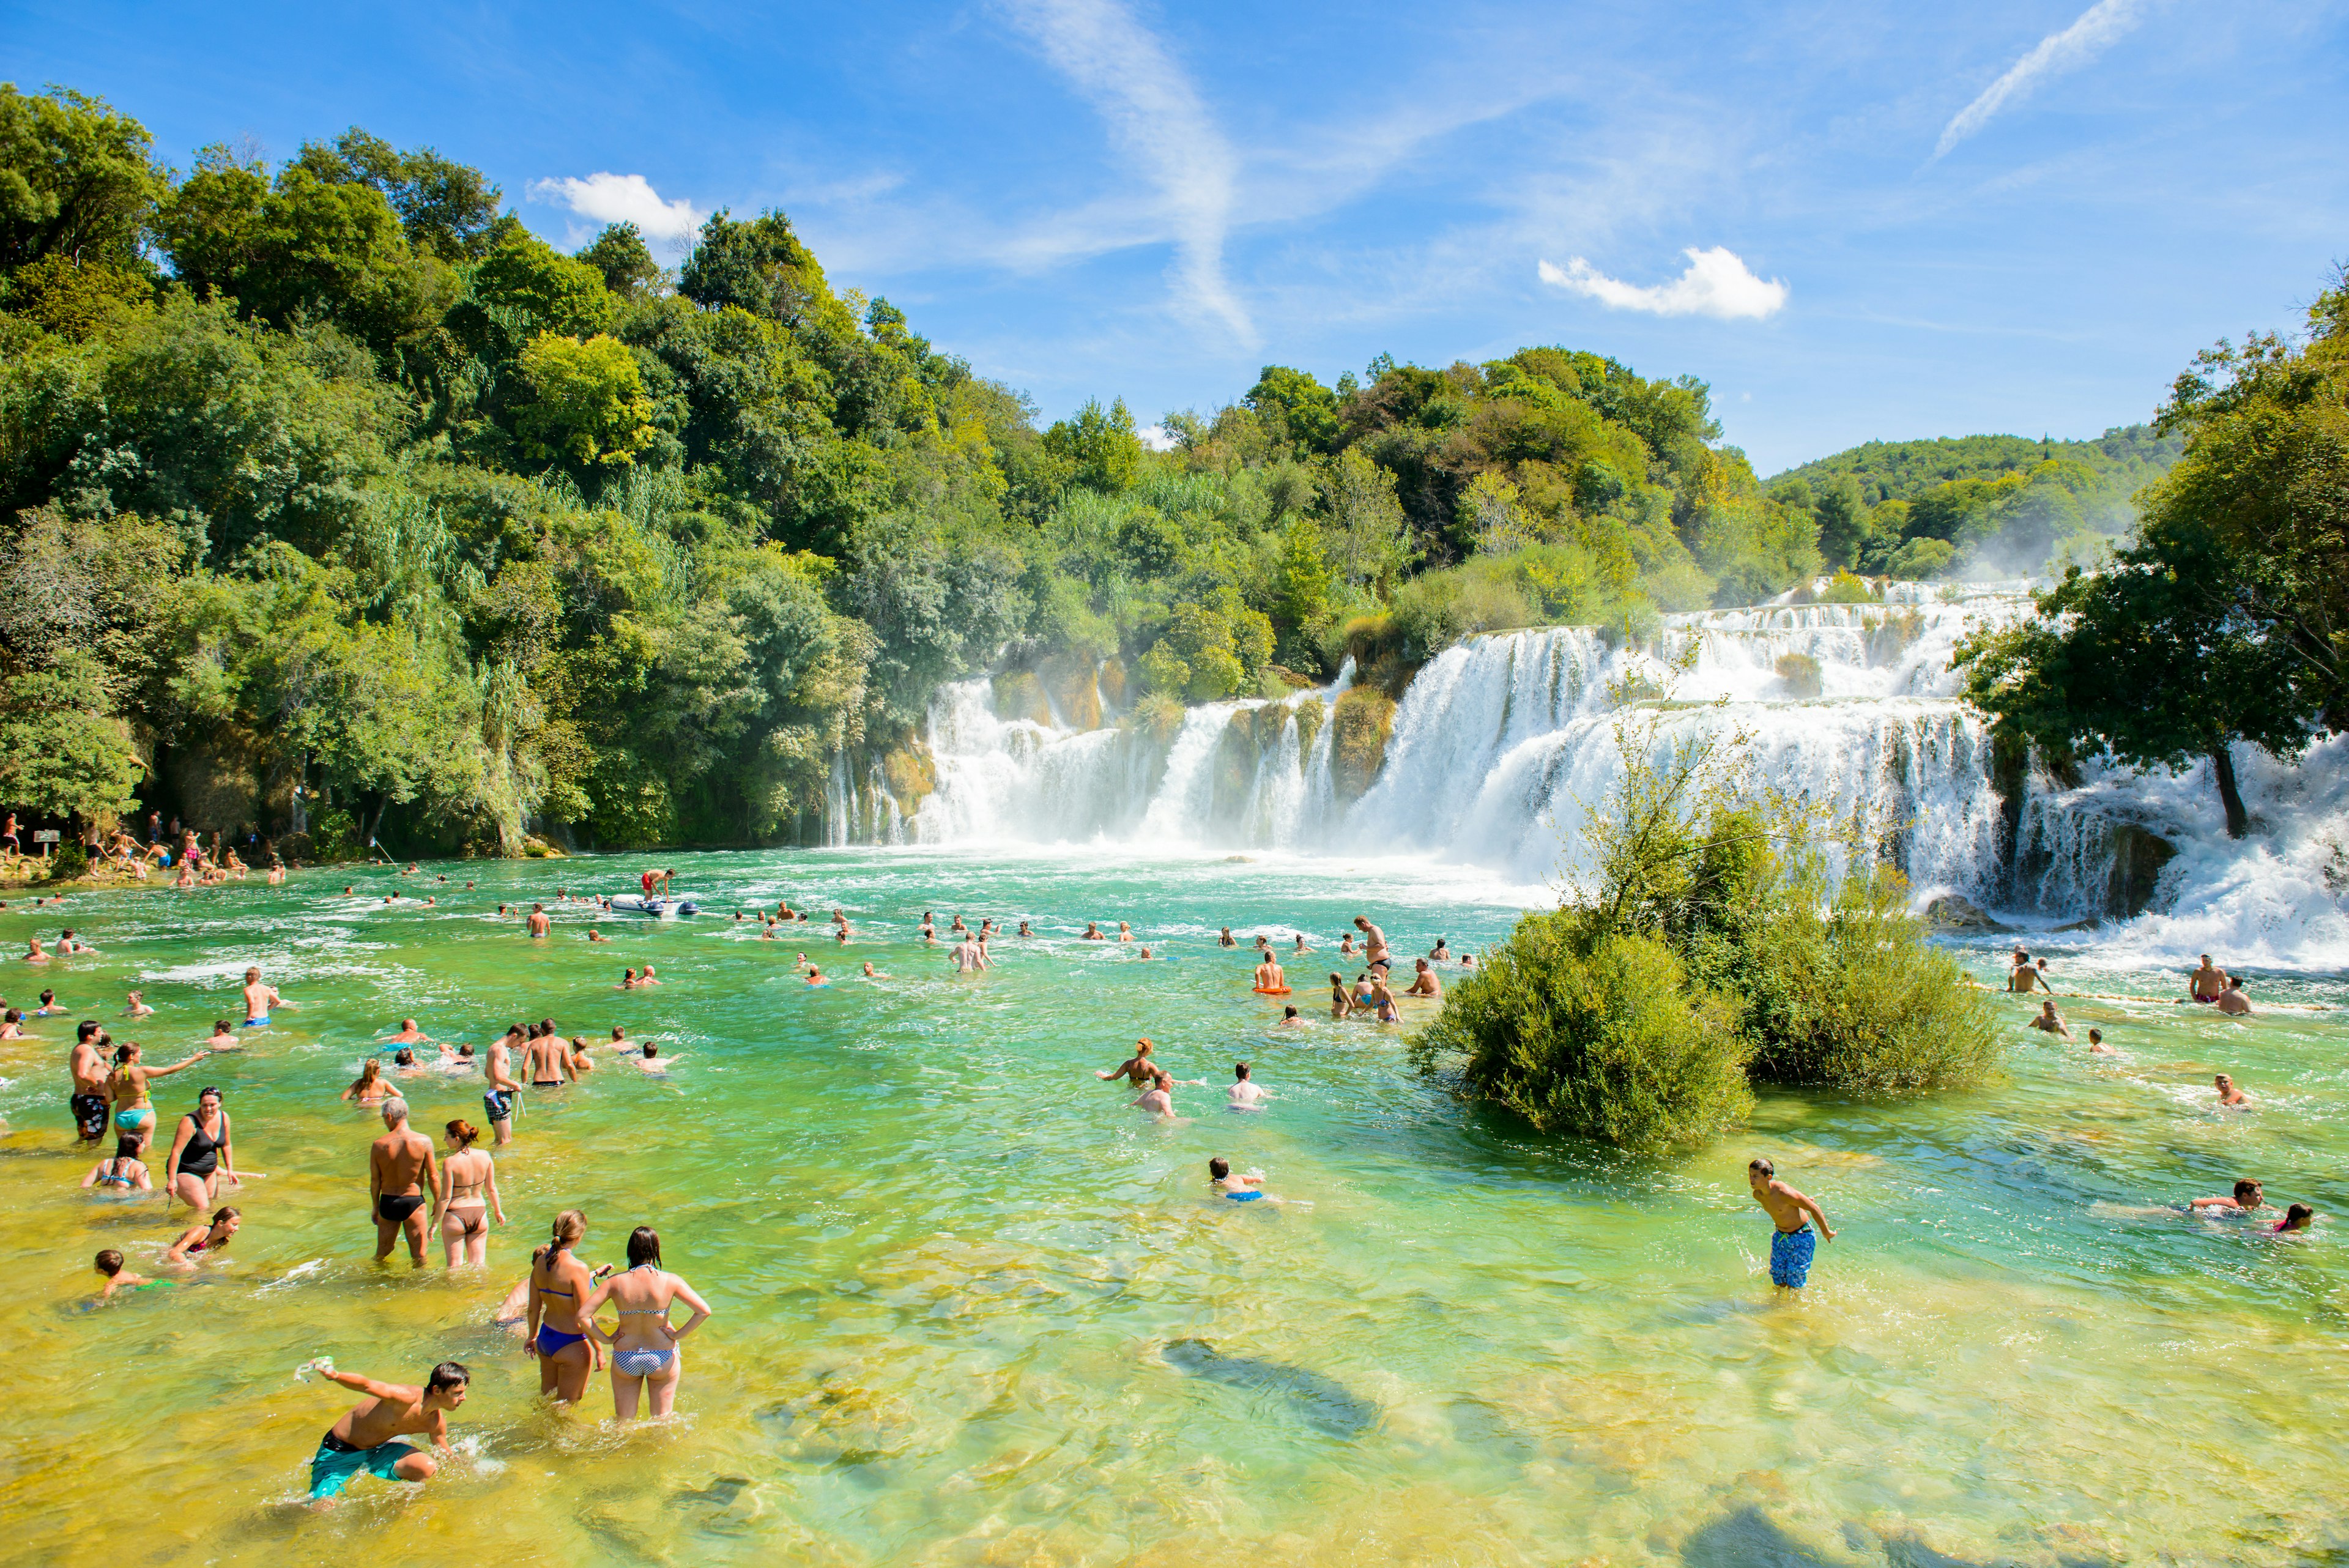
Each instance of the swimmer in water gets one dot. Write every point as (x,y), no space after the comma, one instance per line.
(1092,932)
(1024,930)
(2097,1045)
(628,980)
(2206,983)
(259,998)
(1290,1019)
(409,1034)
(124,1172)
(651,1065)
(1239,1189)
(872,973)
(815,976)
(1226,939)
(1300,946)
(648,977)
(2228,1093)
(368,1435)
(2233,1002)
(109,1268)
(1124,932)
(1341,1004)
(1245,1095)
(1137,1067)
(539,924)
(138,1009)
(969,956)
(1423,981)
(1383,999)
(2299,1217)
(1791,1243)
(2050,1021)
(595,936)
(1157,1098)
(1145,952)
(619,1040)
(1268,977)
(2022,977)
(369,1088)
(2249,1194)
(208,1240)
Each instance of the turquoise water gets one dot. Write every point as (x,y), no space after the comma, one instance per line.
(974,1308)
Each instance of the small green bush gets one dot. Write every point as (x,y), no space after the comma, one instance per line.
(1605,1038)
(334,836)
(1364,718)
(1849,588)
(69,861)
(1800,671)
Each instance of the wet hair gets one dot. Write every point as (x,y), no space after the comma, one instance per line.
(88,1029)
(466,1049)
(1143,1047)
(1337,979)
(394,1109)
(644,1247)
(618,1033)
(1219,1167)
(1288,1012)
(125,1052)
(651,1051)
(463,1131)
(2297,1217)
(2246,1185)
(209,1092)
(14,1016)
(447,1374)
(2095,1036)
(369,1071)
(404,1057)
(1241,1069)
(222,1027)
(109,1263)
(1760,1167)
(126,1148)
(225,1213)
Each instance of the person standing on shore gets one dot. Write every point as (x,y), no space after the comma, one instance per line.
(1791,1244)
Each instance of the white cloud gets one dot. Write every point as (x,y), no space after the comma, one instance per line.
(1156,437)
(2073,48)
(1156,120)
(623,199)
(1716,284)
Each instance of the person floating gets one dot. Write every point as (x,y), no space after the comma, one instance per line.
(1269,980)
(1791,1244)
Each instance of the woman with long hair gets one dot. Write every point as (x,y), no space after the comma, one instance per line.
(468,1195)
(559,1284)
(126,1172)
(134,1111)
(645,1356)
(211,1238)
(201,1154)
(369,1088)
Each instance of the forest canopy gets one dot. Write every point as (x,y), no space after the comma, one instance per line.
(336,497)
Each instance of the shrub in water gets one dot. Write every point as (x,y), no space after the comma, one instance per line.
(1800,671)
(1602,1035)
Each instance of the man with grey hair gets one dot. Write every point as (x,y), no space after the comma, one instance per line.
(401,1181)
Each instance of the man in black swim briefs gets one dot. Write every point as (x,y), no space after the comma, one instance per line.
(400,1178)
(88,1066)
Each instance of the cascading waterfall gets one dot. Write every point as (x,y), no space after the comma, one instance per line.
(1499,747)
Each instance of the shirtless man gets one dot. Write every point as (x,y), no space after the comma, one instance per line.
(2228,1093)
(1423,983)
(2233,1002)
(1268,977)
(2249,1194)
(2206,983)
(500,1089)
(815,976)
(2096,1046)
(1124,932)
(1157,1098)
(547,1063)
(1791,1244)
(2050,1021)
(367,1438)
(872,973)
(2023,978)
(259,998)
(1092,934)
(1138,1067)
(595,936)
(1245,1095)
(968,955)
(651,1065)
(1374,943)
(1239,1189)
(401,1180)
(647,978)
(539,924)
(1290,1019)
(88,1067)
(409,1034)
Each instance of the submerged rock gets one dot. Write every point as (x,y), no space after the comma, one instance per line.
(1952,912)
(1322,1401)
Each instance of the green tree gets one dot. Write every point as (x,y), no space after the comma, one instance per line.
(589,406)
(1297,408)
(77,180)
(563,296)
(62,749)
(1099,445)
(447,208)
(626,262)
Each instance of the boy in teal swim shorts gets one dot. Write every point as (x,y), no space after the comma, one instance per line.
(1792,1245)
(367,1438)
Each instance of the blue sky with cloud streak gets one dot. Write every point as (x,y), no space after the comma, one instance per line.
(1854,219)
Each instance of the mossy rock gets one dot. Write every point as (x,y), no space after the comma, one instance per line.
(1364,718)
(1309,714)
(911,773)
(1020,695)
(1074,686)
(1110,683)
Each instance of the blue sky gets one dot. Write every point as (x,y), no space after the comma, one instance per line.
(2019,215)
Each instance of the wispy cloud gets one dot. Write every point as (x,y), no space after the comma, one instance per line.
(1159,124)
(1716,284)
(606,198)
(2074,47)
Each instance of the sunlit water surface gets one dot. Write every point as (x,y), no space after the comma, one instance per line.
(955,1274)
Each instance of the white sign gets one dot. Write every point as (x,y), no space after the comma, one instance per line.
(44,836)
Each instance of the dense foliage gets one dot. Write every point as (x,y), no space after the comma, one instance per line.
(2227,619)
(338,501)
(1710,948)
(1993,505)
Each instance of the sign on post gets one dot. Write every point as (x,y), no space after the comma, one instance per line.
(44,836)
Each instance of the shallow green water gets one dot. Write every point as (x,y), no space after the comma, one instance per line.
(954,1274)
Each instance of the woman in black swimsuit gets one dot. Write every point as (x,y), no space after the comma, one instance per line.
(200,1154)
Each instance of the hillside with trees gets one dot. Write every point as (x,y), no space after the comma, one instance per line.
(337,501)
(1989,504)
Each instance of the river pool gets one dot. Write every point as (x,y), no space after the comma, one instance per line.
(972,1308)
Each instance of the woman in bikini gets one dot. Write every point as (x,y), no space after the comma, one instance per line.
(134,1113)
(126,1172)
(644,1356)
(369,1088)
(201,1154)
(200,1240)
(468,1195)
(1341,1004)
(559,1283)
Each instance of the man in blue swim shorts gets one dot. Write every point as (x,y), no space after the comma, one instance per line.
(1793,1244)
(367,1438)
(259,998)
(1239,1189)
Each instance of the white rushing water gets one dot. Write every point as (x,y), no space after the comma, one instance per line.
(1500,745)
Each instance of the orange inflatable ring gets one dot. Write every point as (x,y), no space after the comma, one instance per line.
(1275,990)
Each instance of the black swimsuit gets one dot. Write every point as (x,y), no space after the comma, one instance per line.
(200,1156)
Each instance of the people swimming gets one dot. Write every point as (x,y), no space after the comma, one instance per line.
(1226,939)
(1791,1243)
(646,1363)
(2097,1045)
(1269,980)
(259,998)
(123,1171)
(2050,1021)
(1157,1096)
(1290,1019)
(1222,1183)
(2231,1001)
(1423,981)
(1138,1067)
(2248,1195)
(2022,977)
(369,1088)
(1093,932)
(1341,1004)
(366,1438)
(2228,1093)
(1245,1094)
(208,1240)
(2299,1217)
(109,1268)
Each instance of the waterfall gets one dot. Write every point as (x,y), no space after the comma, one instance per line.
(1501,745)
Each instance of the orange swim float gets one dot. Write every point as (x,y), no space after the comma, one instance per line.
(1275,990)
